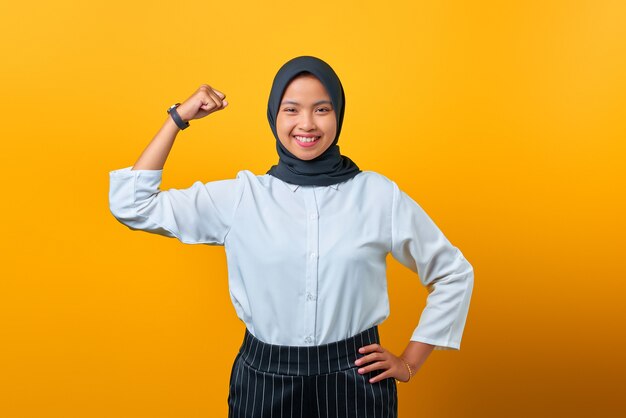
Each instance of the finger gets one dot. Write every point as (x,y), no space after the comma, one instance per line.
(209,102)
(216,94)
(216,98)
(371,357)
(381,376)
(370,348)
(374,366)
(219,93)
(204,88)
(208,89)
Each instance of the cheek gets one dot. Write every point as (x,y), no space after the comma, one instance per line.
(331,128)
(283,125)
(283,133)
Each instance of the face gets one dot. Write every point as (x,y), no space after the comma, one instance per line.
(306,113)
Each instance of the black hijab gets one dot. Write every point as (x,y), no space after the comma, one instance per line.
(330,167)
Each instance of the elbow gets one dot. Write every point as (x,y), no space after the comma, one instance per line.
(468,274)
(470,279)
(468,283)
(464,268)
(123,210)
(461,276)
(122,214)
(469,271)
(123,204)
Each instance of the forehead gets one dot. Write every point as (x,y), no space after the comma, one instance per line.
(303,87)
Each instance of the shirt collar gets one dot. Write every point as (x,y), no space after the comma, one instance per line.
(294,187)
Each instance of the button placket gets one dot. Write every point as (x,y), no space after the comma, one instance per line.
(312,248)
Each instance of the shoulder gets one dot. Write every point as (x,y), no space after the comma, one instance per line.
(247,175)
(371,188)
(256,181)
(375,176)
(374,180)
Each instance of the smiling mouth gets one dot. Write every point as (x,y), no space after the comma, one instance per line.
(306,142)
(306,139)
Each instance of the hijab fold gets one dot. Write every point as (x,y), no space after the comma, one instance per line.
(330,167)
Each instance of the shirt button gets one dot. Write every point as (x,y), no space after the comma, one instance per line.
(312,255)
(310,296)
(308,339)
(313,216)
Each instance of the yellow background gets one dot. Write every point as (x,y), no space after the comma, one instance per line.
(504,120)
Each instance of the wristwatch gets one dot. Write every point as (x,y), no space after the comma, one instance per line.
(177,119)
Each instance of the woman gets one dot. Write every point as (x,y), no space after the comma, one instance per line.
(306,245)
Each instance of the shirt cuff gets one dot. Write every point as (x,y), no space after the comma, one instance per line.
(439,345)
(128,171)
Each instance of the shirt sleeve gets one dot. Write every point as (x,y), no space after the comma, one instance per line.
(200,214)
(418,244)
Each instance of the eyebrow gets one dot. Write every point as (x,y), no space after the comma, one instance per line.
(314,104)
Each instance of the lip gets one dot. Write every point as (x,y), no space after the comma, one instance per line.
(307,144)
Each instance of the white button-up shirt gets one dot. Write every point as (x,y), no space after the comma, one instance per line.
(307,264)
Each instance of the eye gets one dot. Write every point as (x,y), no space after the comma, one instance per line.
(289,109)
(325,109)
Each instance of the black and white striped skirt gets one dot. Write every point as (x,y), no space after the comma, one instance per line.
(276,381)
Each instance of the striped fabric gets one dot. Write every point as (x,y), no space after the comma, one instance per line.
(276,381)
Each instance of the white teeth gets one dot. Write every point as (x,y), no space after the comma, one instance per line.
(304,139)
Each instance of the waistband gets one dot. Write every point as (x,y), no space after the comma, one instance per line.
(305,360)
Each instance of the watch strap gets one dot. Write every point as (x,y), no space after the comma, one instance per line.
(176,117)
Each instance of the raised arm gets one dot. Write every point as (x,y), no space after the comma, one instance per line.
(200,214)
(202,102)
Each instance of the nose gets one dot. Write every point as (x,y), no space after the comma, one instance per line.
(307,122)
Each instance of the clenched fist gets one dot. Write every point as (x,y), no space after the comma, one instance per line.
(204,101)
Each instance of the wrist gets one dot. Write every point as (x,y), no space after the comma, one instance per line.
(410,371)
(416,354)
(183,115)
(170,124)
(412,364)
(176,117)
